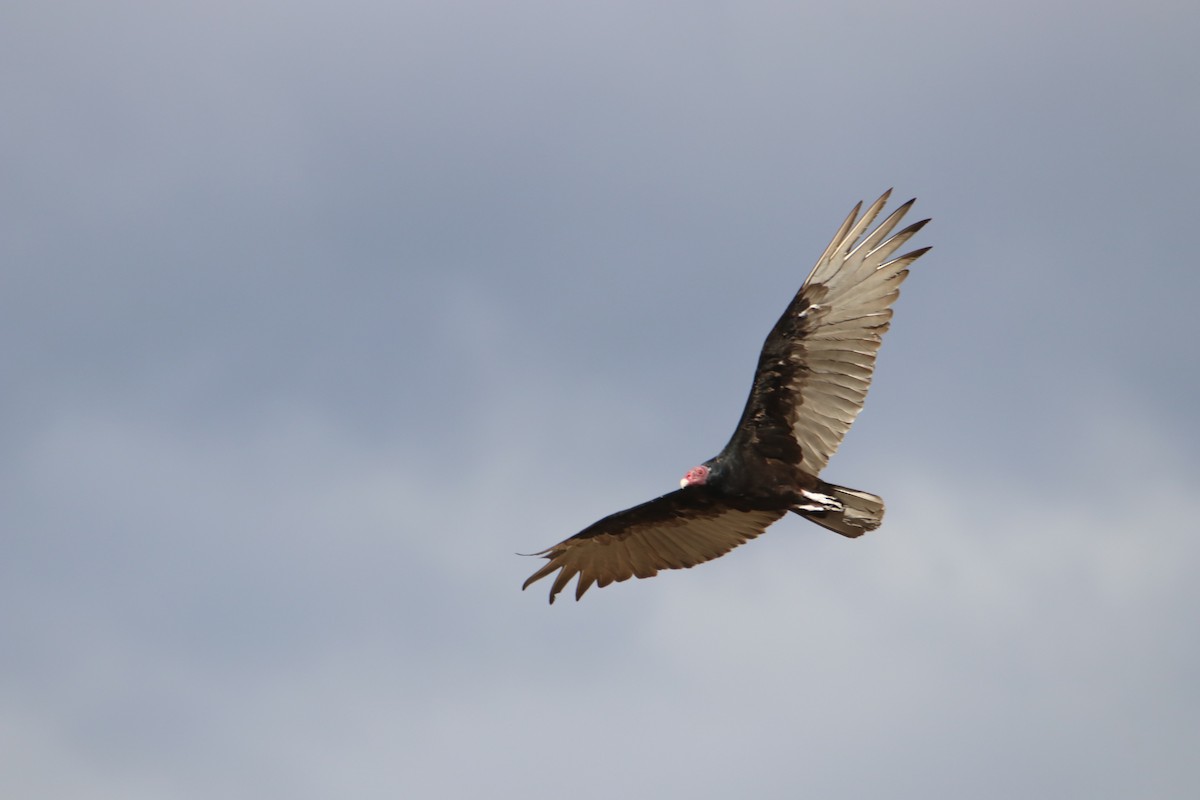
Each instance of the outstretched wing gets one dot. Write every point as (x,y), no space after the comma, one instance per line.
(817,362)
(680,529)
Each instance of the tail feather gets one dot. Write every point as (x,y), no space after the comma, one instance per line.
(853,514)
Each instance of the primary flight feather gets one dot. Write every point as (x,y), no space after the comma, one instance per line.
(812,378)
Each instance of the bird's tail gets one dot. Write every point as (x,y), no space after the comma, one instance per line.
(846,511)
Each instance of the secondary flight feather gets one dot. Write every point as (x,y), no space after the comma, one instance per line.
(812,379)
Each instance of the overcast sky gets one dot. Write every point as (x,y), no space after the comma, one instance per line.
(313,315)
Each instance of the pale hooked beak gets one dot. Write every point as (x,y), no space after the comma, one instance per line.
(683,483)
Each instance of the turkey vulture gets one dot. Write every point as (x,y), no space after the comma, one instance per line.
(811,381)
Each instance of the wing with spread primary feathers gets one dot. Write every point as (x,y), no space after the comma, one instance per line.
(680,529)
(817,362)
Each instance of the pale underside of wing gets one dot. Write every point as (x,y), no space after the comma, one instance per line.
(669,532)
(817,364)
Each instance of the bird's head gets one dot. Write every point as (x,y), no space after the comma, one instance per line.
(696,476)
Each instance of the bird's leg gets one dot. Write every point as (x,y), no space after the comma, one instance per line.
(818,502)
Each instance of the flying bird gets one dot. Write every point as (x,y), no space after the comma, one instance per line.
(812,378)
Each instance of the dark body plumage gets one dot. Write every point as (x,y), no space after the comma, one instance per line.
(811,382)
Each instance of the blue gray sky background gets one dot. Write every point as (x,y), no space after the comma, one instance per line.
(312,315)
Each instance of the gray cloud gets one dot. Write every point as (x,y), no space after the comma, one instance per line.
(311,318)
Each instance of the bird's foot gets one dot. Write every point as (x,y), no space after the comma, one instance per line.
(818,502)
